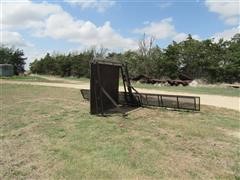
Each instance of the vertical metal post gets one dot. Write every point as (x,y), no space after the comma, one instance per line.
(158,101)
(124,85)
(195,104)
(129,87)
(199,104)
(99,80)
(162,101)
(146,99)
(177,103)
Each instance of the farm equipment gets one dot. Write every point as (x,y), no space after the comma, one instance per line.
(104,91)
(183,80)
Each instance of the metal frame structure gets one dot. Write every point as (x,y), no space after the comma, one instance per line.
(104,86)
(104,94)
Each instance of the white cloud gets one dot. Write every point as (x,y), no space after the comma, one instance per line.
(9,38)
(84,32)
(197,37)
(229,11)
(162,30)
(26,14)
(100,5)
(164,5)
(180,37)
(50,20)
(183,36)
(227,34)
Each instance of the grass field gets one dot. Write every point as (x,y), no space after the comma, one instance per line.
(217,90)
(48,133)
(82,79)
(63,79)
(28,78)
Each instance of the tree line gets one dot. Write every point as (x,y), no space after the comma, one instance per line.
(205,59)
(73,64)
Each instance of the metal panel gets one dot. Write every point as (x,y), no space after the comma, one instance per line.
(85,94)
(170,101)
(159,100)
(104,94)
(104,78)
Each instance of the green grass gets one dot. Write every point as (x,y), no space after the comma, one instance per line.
(83,79)
(26,78)
(48,133)
(225,91)
(80,79)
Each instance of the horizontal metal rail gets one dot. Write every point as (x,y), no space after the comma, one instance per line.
(171,101)
(159,100)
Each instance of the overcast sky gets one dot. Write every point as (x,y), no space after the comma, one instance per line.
(39,27)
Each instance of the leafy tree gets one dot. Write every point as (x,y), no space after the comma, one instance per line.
(232,63)
(171,64)
(14,57)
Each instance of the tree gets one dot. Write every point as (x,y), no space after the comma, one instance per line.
(14,57)
(232,64)
(171,64)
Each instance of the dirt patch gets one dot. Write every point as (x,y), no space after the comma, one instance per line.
(230,132)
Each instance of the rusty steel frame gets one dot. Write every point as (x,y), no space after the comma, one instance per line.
(104,99)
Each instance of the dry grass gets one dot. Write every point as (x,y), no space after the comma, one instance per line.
(47,133)
(213,90)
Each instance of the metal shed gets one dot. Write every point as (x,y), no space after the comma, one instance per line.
(6,70)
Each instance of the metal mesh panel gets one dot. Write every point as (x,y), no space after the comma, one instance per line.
(153,100)
(148,100)
(160,100)
(187,103)
(169,101)
(104,79)
(121,98)
(85,94)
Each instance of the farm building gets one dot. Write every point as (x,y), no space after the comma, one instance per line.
(6,70)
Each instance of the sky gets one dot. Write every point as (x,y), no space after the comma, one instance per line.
(38,27)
